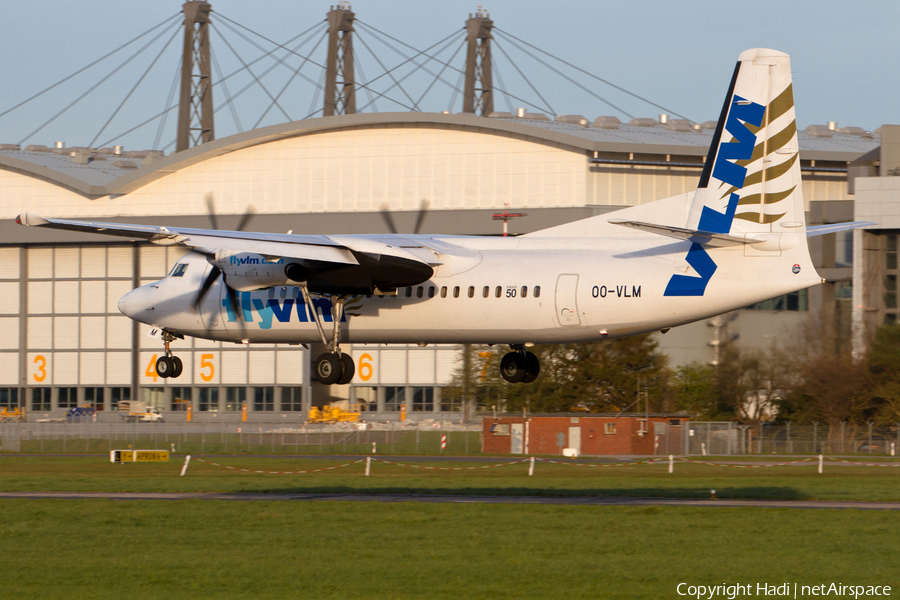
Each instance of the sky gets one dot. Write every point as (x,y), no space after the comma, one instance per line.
(678,55)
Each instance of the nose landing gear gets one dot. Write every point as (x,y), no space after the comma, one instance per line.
(519,365)
(169,365)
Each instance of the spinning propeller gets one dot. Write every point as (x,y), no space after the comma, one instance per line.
(420,218)
(210,256)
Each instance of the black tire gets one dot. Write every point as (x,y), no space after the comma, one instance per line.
(328,368)
(178,367)
(532,367)
(165,367)
(348,369)
(513,368)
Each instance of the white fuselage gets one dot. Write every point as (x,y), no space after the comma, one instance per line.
(551,290)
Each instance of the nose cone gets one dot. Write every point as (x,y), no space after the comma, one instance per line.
(129,304)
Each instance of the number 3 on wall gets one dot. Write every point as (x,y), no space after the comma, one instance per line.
(41,363)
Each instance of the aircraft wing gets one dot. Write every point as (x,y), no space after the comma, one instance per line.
(337,262)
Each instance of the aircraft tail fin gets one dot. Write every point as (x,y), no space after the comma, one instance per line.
(751,179)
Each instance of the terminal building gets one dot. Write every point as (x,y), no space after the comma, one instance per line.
(63,342)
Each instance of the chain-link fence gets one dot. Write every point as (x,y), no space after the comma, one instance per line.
(699,438)
(727,438)
(214,438)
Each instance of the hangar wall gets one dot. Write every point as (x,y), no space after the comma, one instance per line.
(359,169)
(62,339)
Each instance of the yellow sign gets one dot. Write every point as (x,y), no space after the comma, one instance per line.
(123,456)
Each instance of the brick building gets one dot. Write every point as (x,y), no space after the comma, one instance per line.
(590,434)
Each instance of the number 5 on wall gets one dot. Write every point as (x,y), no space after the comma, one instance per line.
(207,368)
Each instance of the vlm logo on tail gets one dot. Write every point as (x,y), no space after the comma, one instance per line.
(739,111)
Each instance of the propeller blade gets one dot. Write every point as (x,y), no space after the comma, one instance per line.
(207,283)
(420,218)
(238,309)
(245,218)
(211,211)
(388,219)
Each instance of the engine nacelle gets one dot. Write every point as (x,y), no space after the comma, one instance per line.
(247,271)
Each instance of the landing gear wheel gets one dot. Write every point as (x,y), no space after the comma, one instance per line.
(178,367)
(348,369)
(513,368)
(165,366)
(328,368)
(533,367)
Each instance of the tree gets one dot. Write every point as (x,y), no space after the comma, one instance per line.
(884,365)
(833,389)
(594,377)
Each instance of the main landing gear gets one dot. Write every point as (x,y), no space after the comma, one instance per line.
(519,365)
(331,367)
(168,365)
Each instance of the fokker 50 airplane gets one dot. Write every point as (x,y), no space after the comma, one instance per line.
(740,238)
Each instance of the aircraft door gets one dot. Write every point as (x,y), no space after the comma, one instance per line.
(566,305)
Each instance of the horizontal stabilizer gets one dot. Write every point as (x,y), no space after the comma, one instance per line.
(706,238)
(835,227)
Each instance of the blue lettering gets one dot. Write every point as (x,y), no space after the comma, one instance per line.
(282,312)
(253,260)
(741,148)
(270,309)
(301,310)
(265,313)
(246,307)
(323,305)
(232,314)
(715,222)
(685,285)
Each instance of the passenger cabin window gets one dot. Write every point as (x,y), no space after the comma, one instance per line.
(179,270)
(409,292)
(444,291)
(283,293)
(524,291)
(419,291)
(486,292)
(431,291)
(537,291)
(471,291)
(497,291)
(271,292)
(456,292)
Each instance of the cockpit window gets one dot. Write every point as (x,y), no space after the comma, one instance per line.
(179,270)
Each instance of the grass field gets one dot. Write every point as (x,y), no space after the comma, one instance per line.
(317,549)
(96,473)
(312,550)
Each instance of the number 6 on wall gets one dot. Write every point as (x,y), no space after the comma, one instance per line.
(365,366)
